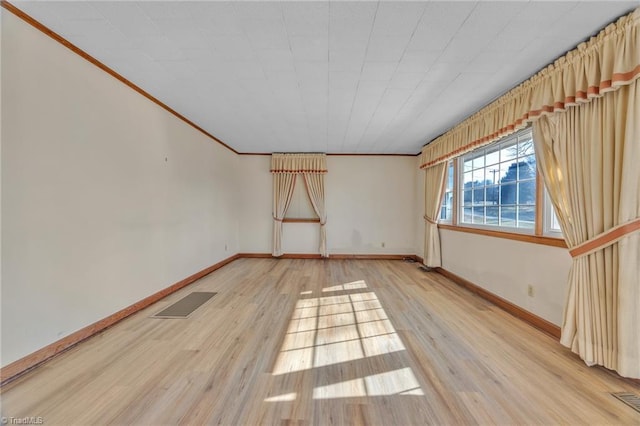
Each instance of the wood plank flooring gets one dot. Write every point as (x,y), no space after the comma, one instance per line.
(301,342)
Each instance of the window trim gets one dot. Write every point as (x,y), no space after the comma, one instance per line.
(514,236)
(300,220)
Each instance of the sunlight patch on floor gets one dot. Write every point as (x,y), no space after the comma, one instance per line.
(348,286)
(336,329)
(282,398)
(347,389)
(396,382)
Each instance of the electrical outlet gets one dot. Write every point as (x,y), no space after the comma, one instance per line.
(530,290)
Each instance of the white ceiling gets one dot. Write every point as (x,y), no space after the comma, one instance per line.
(338,77)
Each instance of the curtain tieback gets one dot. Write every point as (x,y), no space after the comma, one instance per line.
(428,219)
(277,219)
(605,239)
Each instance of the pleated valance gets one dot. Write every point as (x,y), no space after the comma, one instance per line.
(607,61)
(298,163)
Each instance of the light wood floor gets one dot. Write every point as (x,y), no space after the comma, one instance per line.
(321,342)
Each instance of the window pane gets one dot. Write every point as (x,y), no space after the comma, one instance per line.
(468,165)
(478,177)
(493,174)
(508,216)
(526,216)
(493,213)
(508,172)
(478,215)
(527,168)
(525,146)
(555,223)
(467,179)
(467,215)
(447,199)
(527,192)
(478,196)
(493,157)
(508,194)
(508,152)
(445,211)
(493,194)
(478,162)
(467,196)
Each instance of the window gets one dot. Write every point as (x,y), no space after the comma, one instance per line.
(300,207)
(446,211)
(499,184)
(494,188)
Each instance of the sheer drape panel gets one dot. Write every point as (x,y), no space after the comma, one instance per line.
(434,184)
(315,188)
(283,185)
(588,158)
(607,61)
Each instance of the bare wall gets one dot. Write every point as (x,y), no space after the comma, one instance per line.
(106,197)
(506,268)
(370,200)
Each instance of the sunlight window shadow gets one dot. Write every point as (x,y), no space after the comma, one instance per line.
(282,398)
(396,382)
(348,286)
(330,330)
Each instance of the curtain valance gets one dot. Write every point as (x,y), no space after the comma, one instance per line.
(298,163)
(607,61)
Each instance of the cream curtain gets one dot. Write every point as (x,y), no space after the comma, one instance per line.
(607,61)
(434,185)
(588,158)
(315,188)
(585,113)
(285,168)
(283,185)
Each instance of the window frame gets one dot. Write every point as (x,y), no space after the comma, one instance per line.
(451,167)
(541,233)
(507,142)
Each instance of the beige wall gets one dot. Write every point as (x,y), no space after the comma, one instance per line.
(255,203)
(506,268)
(106,197)
(370,200)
